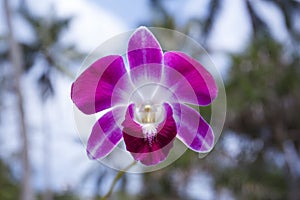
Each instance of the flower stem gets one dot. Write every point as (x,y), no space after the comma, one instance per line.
(118,176)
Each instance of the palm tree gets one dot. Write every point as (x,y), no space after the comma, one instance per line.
(23,56)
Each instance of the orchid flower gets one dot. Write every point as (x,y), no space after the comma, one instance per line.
(146,104)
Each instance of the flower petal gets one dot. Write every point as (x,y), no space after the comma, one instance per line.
(106,134)
(200,80)
(140,147)
(144,49)
(193,130)
(93,89)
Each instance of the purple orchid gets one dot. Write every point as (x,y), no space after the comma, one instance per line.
(146,105)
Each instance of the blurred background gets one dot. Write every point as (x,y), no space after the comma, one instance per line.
(255,44)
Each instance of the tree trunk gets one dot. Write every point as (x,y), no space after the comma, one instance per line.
(47,194)
(17,64)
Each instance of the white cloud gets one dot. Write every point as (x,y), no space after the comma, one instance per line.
(232,30)
(90,26)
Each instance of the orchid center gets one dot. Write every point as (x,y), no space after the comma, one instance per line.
(149,109)
(149,115)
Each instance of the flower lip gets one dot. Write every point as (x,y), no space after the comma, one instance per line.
(153,147)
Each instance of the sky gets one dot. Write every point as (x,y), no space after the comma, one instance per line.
(95,22)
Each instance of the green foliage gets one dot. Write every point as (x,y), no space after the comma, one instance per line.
(263,84)
(255,185)
(9,187)
(161,17)
(263,103)
(66,196)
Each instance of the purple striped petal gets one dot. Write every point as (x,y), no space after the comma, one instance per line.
(199,79)
(93,89)
(149,153)
(193,130)
(106,134)
(144,49)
